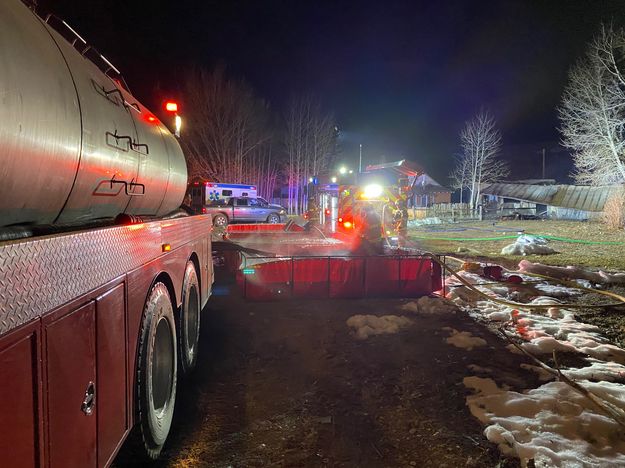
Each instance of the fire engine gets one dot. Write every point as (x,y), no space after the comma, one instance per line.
(102,276)
(351,209)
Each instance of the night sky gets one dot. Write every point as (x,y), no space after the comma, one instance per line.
(401,77)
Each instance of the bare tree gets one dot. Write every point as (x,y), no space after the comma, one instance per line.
(460,175)
(593,111)
(479,164)
(310,140)
(228,137)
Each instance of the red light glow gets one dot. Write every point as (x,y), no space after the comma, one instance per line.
(347,225)
(171,106)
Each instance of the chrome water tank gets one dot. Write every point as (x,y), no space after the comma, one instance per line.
(74,144)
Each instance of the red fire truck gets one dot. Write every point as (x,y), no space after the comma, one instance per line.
(102,276)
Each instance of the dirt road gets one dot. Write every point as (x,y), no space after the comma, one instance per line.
(287,384)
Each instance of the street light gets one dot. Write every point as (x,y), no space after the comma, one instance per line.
(360,160)
(333,179)
(342,170)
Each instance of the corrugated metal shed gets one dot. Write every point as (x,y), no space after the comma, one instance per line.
(578,197)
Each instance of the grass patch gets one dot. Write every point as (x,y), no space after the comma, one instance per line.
(610,257)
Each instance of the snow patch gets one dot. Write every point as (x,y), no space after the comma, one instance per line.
(368,325)
(598,370)
(555,329)
(430,306)
(528,245)
(571,272)
(553,424)
(463,339)
(424,221)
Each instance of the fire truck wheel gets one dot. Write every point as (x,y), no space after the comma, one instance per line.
(220,220)
(273,219)
(189,319)
(157,372)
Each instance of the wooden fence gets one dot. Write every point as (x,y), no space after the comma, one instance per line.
(444,211)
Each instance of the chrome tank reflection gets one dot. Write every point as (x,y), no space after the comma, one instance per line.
(74,145)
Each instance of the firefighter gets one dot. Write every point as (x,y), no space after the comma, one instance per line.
(371,233)
(313,211)
(400,217)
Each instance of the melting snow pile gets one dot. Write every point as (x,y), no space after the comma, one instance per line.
(463,339)
(571,272)
(424,221)
(557,330)
(528,245)
(430,306)
(553,424)
(368,325)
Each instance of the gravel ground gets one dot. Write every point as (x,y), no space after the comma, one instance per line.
(286,384)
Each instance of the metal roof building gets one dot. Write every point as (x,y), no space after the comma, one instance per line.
(577,197)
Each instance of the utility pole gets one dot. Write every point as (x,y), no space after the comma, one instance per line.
(360,160)
(543,163)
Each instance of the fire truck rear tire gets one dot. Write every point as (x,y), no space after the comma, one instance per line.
(189,319)
(157,371)
(220,220)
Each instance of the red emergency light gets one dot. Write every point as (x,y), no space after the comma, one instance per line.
(327,211)
(171,106)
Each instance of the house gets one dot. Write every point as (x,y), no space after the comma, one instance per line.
(427,192)
(424,190)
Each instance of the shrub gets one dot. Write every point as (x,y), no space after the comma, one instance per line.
(614,211)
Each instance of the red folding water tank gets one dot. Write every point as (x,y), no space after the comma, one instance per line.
(416,276)
(310,277)
(347,277)
(382,276)
(268,281)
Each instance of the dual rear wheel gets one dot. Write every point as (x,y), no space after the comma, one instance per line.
(168,344)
